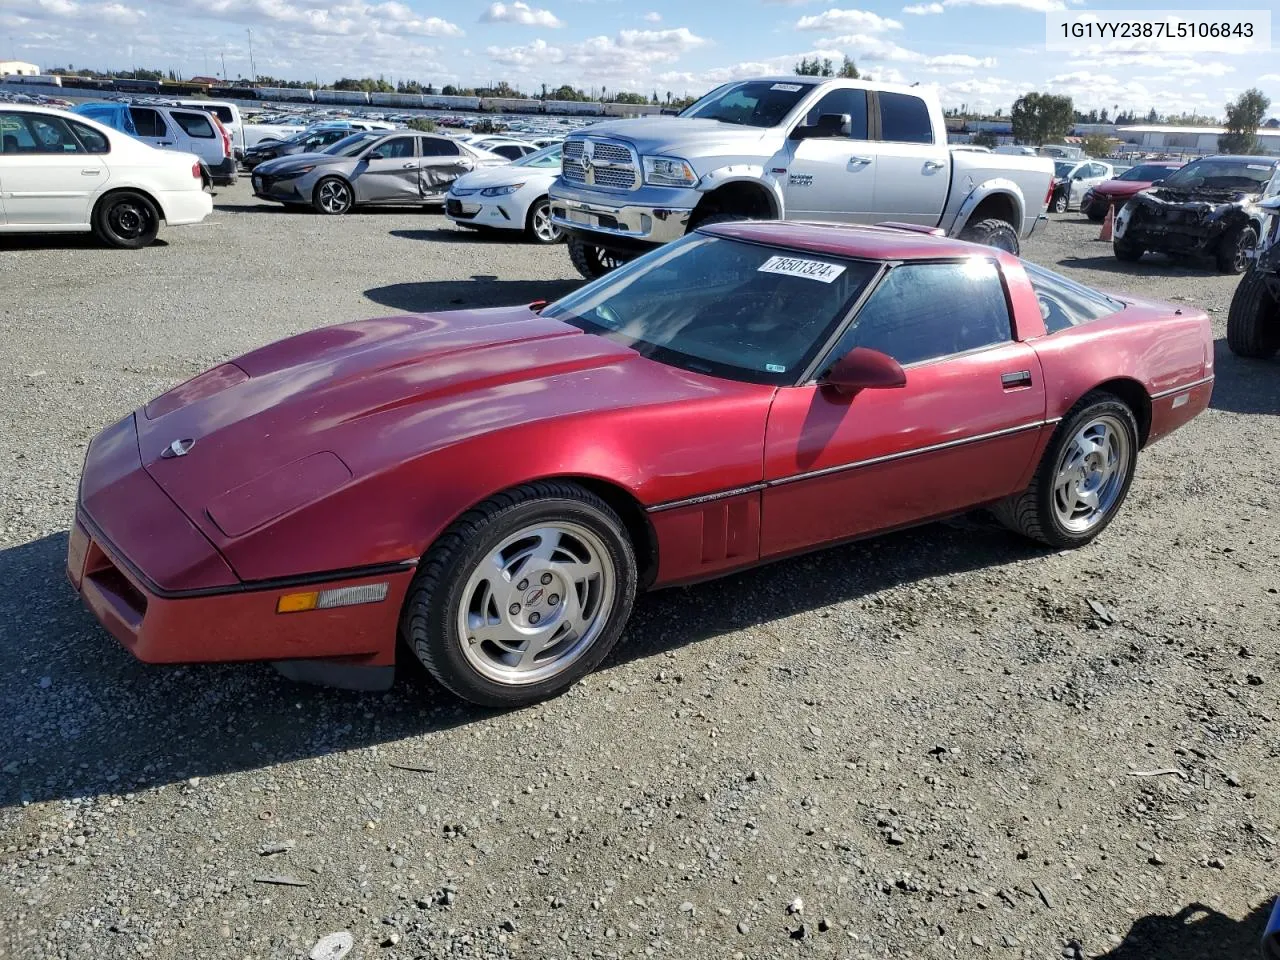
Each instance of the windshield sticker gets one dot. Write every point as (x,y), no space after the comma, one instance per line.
(774,368)
(796,267)
(788,87)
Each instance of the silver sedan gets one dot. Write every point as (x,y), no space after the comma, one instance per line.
(401,167)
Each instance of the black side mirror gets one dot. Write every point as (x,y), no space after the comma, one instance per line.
(864,369)
(828,125)
(376,155)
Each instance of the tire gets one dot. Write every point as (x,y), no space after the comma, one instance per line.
(1126,251)
(592,262)
(538,226)
(1233,249)
(993,233)
(1038,512)
(1097,212)
(333,196)
(482,554)
(126,219)
(1060,202)
(1253,322)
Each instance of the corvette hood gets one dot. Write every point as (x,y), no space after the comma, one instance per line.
(288,424)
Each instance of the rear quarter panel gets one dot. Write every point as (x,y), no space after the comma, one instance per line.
(976,175)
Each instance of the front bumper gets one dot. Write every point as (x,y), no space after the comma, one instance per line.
(282,191)
(648,216)
(477,211)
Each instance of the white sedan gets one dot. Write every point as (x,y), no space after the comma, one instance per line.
(510,197)
(63,173)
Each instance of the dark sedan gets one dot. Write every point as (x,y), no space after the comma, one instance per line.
(309,141)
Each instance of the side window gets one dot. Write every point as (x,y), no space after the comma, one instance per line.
(14,135)
(223,114)
(438,147)
(195,124)
(92,140)
(148,122)
(904,119)
(922,311)
(1097,170)
(852,102)
(510,151)
(397,148)
(52,135)
(1064,303)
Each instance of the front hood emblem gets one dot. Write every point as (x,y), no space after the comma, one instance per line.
(179,448)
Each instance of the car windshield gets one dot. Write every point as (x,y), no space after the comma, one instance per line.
(1063,168)
(1212,174)
(1146,172)
(729,308)
(546,157)
(755,103)
(350,146)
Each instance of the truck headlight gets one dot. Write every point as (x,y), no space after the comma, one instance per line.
(501,191)
(668,172)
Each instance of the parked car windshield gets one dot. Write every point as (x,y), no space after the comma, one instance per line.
(1212,174)
(350,146)
(744,311)
(1147,172)
(546,157)
(755,103)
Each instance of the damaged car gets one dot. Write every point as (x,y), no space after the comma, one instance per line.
(1211,207)
(1253,323)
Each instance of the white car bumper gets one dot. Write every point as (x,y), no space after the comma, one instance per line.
(185,206)
(503,213)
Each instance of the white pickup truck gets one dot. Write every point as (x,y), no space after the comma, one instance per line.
(801,148)
(243,135)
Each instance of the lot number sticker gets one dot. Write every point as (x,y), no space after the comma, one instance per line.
(787,87)
(796,267)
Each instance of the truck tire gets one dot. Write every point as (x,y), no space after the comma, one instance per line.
(1253,323)
(993,233)
(1233,249)
(1124,250)
(592,262)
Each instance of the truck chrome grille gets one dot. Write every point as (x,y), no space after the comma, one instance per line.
(605,164)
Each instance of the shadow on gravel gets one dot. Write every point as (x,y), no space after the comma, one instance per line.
(1195,932)
(1151,265)
(1242,385)
(479,291)
(83,717)
(459,235)
(63,241)
(300,208)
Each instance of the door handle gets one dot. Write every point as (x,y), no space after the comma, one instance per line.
(409,166)
(933,165)
(859,160)
(89,173)
(1015,379)
(166,143)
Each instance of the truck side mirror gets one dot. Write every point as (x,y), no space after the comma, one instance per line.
(828,125)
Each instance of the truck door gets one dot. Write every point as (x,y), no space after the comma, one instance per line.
(832,177)
(913,163)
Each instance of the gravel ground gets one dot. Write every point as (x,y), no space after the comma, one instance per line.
(940,743)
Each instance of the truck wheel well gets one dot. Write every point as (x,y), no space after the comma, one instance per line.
(1134,396)
(997,206)
(742,198)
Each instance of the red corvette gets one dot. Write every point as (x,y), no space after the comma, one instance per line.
(495,485)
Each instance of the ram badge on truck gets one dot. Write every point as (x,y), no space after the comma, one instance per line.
(797,148)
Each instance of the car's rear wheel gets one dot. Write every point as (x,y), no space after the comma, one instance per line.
(1253,322)
(1082,479)
(538,225)
(523,595)
(1234,249)
(333,196)
(126,219)
(993,233)
(1124,250)
(592,261)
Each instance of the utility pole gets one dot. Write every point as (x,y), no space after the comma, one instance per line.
(225,78)
(253,70)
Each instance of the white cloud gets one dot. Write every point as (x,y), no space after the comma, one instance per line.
(835,19)
(1181,65)
(653,17)
(1036,6)
(112,13)
(923,9)
(627,59)
(521,13)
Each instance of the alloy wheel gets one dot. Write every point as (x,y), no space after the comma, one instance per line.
(1091,473)
(335,196)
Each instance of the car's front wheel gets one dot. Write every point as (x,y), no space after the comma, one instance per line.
(523,595)
(333,196)
(1234,249)
(126,219)
(592,261)
(1124,250)
(1082,479)
(538,224)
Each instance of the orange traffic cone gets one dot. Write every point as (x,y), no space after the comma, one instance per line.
(1107,223)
